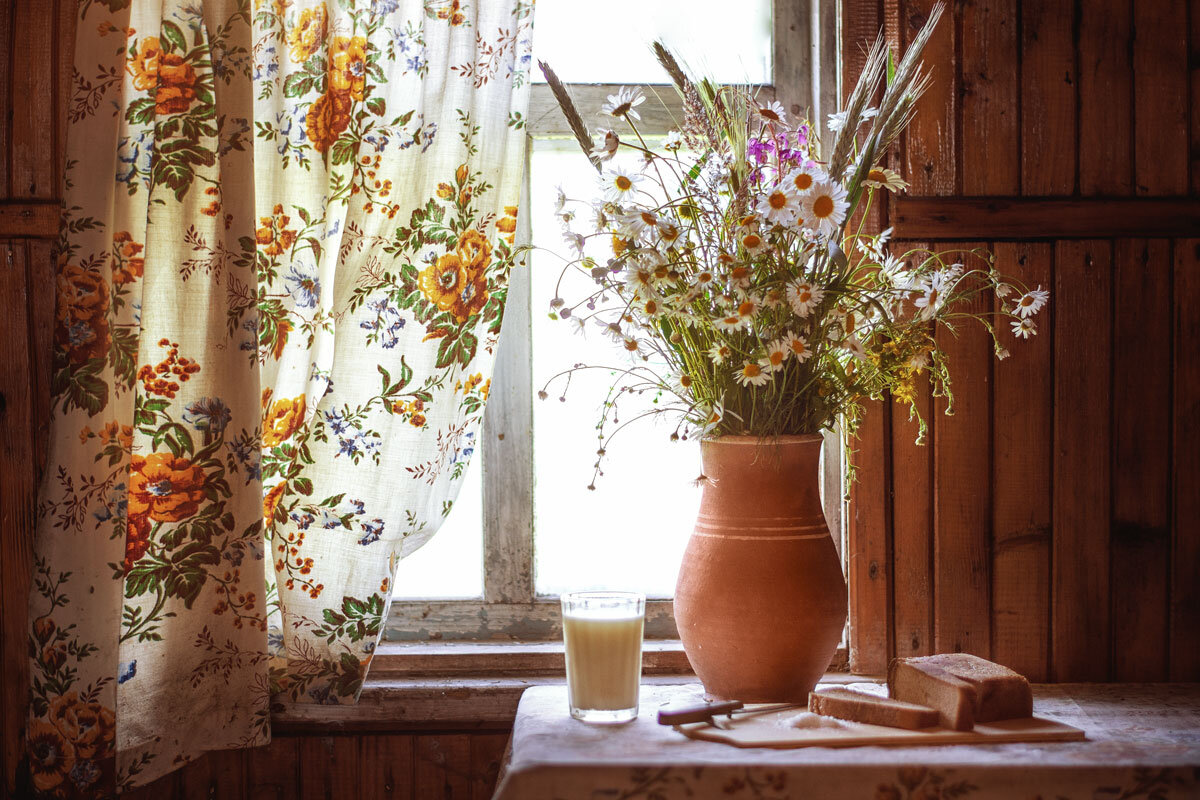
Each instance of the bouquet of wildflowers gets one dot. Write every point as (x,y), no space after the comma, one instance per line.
(741,283)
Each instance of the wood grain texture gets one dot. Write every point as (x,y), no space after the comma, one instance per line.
(221,773)
(329,767)
(912,528)
(33,76)
(1185,472)
(1141,458)
(1160,82)
(1022,438)
(1026,218)
(1194,81)
(1048,96)
(40,278)
(16,498)
(272,771)
(989,148)
(869,562)
(386,768)
(442,767)
(962,482)
(487,756)
(64,71)
(929,148)
(1082,449)
(1105,99)
(6,13)
(29,219)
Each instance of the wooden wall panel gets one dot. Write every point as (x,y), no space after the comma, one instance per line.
(929,149)
(1160,90)
(1049,141)
(1185,465)
(1105,97)
(1141,463)
(1022,441)
(990,152)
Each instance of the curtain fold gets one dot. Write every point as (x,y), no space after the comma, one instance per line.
(283,260)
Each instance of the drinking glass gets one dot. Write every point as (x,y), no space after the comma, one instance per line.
(603,636)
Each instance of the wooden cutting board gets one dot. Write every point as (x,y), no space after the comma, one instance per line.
(775,730)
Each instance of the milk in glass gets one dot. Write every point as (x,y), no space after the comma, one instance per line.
(603,633)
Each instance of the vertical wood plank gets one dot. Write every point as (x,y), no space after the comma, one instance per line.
(442,764)
(1082,418)
(962,485)
(487,754)
(6,55)
(1022,440)
(1141,537)
(1048,95)
(41,337)
(1185,517)
(32,143)
(386,768)
(273,771)
(219,773)
(930,152)
(1105,99)
(64,65)
(328,767)
(1160,52)
(16,498)
(1194,80)
(991,162)
(869,561)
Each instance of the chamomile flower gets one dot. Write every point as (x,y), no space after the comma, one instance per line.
(856,349)
(682,383)
(669,234)
(740,275)
(719,353)
(620,184)
(748,222)
(751,374)
(798,347)
(574,240)
(838,121)
(932,291)
(640,281)
(703,278)
(609,142)
(780,206)
(771,111)
(777,353)
(804,178)
(638,221)
(651,308)
(673,141)
(803,297)
(1032,302)
(825,207)
(747,308)
(560,201)
(774,298)
(709,415)
(753,242)
(729,322)
(1024,328)
(882,178)
(624,103)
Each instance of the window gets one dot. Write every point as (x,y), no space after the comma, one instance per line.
(524,510)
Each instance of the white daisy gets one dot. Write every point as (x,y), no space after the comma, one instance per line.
(682,383)
(1032,301)
(609,141)
(804,297)
(729,322)
(838,121)
(669,234)
(624,103)
(709,415)
(574,240)
(753,242)
(825,207)
(560,201)
(703,278)
(673,141)
(747,308)
(1024,328)
(640,281)
(719,353)
(932,290)
(802,179)
(780,205)
(774,298)
(798,347)
(620,183)
(638,221)
(777,353)
(651,308)
(631,345)
(882,178)
(856,348)
(740,275)
(751,374)
(771,111)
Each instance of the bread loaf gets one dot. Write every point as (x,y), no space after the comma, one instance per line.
(964,689)
(871,709)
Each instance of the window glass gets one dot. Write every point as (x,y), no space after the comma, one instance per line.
(610,42)
(630,532)
(449,566)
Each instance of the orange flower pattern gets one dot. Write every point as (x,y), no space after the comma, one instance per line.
(272,344)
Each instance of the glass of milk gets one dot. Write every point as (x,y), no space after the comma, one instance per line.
(603,635)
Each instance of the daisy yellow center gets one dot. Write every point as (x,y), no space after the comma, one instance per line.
(732,321)
(803,181)
(649,218)
(738,273)
(776,358)
(805,295)
(777,200)
(823,206)
(877,175)
(798,347)
(685,381)
(1026,301)
(630,345)
(623,183)
(724,351)
(704,277)
(622,109)
(748,219)
(661,272)
(651,307)
(752,240)
(769,114)
(745,309)
(751,370)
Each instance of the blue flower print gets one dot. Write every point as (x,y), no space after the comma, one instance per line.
(304,288)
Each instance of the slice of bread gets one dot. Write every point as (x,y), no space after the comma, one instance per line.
(965,689)
(871,709)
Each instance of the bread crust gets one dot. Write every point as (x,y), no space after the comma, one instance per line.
(948,681)
(871,709)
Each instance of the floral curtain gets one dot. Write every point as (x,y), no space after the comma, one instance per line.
(282,267)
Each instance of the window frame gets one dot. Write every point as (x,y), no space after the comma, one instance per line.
(804,55)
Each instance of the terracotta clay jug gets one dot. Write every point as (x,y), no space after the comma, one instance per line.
(761,601)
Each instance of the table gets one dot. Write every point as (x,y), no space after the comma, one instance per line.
(1143,742)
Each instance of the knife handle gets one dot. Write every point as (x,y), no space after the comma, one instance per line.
(681,715)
